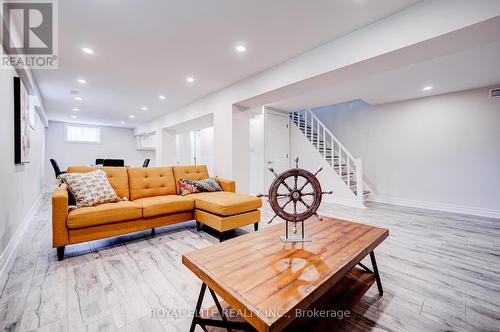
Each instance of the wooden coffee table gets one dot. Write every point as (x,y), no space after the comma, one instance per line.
(267,282)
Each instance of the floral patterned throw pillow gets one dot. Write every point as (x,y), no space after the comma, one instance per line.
(90,189)
(191,187)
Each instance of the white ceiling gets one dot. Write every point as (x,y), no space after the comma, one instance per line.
(147,48)
(467,69)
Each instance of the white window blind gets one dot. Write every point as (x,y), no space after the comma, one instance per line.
(80,134)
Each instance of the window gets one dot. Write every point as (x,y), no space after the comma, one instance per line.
(80,134)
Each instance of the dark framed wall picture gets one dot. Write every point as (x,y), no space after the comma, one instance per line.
(21,123)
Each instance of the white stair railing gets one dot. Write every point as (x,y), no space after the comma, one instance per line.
(350,169)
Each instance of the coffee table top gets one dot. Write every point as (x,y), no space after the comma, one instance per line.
(256,273)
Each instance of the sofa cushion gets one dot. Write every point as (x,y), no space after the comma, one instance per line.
(226,203)
(198,186)
(151,181)
(117,177)
(104,214)
(198,172)
(90,189)
(159,205)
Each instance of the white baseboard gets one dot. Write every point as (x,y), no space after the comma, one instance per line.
(14,241)
(437,206)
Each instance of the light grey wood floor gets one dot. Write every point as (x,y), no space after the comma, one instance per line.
(440,271)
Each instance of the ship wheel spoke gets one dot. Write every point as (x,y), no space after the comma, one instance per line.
(295,178)
(283,207)
(308,194)
(304,185)
(305,204)
(286,186)
(295,207)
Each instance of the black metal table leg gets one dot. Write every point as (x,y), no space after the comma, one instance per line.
(377,275)
(219,307)
(224,323)
(365,267)
(196,315)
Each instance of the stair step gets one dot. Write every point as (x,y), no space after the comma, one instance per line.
(365,192)
(344,173)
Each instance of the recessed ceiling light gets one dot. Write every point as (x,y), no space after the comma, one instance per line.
(427,88)
(73,116)
(87,50)
(162,97)
(240,48)
(78,98)
(122,122)
(81,80)
(190,79)
(75,109)
(144,108)
(132,116)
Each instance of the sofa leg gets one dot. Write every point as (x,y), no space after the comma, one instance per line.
(198,226)
(60,253)
(256,226)
(221,236)
(153,231)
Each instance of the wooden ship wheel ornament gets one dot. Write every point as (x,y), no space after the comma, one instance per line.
(294,186)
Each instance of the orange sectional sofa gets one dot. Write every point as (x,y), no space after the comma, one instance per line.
(152,199)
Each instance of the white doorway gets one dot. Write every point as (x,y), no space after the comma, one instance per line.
(277,144)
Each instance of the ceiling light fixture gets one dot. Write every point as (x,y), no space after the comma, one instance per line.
(81,80)
(75,109)
(144,108)
(162,97)
(122,122)
(78,98)
(190,79)
(240,48)
(132,116)
(87,50)
(73,116)
(427,88)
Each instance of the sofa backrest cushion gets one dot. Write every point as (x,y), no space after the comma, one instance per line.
(117,176)
(151,181)
(198,172)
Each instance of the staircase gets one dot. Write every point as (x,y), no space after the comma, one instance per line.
(342,162)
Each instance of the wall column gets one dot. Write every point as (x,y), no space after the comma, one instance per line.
(223,142)
(165,147)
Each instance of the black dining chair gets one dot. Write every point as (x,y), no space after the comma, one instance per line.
(114,162)
(56,168)
(146,162)
(99,162)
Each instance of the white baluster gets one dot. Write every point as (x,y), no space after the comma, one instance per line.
(324,142)
(349,172)
(317,136)
(332,151)
(359,180)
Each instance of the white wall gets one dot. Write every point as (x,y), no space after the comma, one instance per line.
(439,152)
(240,146)
(21,184)
(205,148)
(116,143)
(183,147)
(257,154)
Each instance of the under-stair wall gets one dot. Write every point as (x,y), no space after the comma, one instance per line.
(311,159)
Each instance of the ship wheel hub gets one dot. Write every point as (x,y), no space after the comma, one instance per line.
(295,195)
